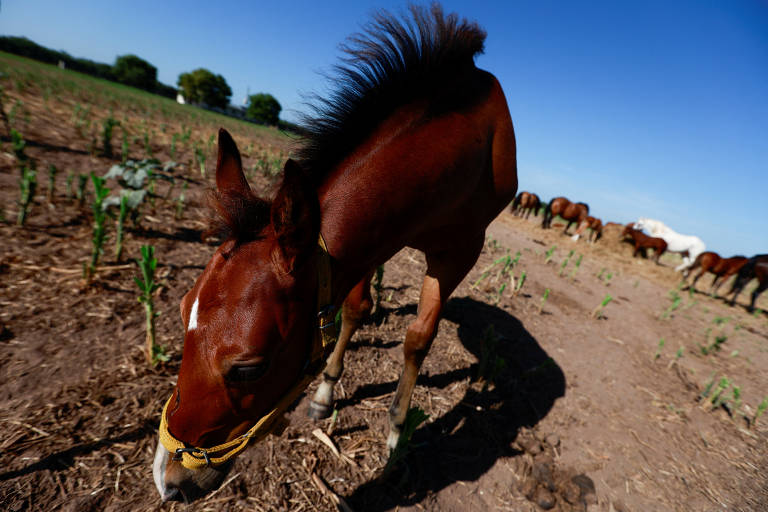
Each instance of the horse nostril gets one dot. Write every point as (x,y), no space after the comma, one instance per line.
(171,493)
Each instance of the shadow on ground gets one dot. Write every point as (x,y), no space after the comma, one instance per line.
(469,439)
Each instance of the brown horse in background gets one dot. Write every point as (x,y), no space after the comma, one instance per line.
(756,267)
(525,203)
(415,149)
(722,268)
(642,242)
(570,212)
(595,226)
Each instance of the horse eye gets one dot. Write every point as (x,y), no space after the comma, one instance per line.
(247,373)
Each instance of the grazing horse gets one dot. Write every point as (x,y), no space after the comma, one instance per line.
(756,267)
(414,149)
(525,203)
(641,241)
(688,245)
(571,212)
(722,268)
(595,226)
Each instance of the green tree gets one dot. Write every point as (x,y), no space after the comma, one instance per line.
(263,107)
(135,71)
(202,86)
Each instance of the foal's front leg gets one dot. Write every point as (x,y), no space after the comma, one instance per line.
(445,271)
(357,306)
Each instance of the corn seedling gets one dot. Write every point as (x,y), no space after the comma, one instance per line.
(17,146)
(82,182)
(413,418)
(679,353)
(717,397)
(200,156)
(70,179)
(658,350)
(52,171)
(600,274)
(576,267)
(713,347)
(543,300)
(598,311)
(378,287)
(565,263)
(676,301)
(608,278)
(491,363)
(124,146)
(99,224)
(548,255)
(520,282)
(106,135)
(27,187)
(760,410)
(180,201)
(147,285)
(172,149)
(120,227)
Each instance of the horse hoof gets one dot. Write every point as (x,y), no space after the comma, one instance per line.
(318,411)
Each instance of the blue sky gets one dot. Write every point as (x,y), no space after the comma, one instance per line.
(655,109)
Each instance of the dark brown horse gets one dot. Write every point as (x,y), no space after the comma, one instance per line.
(525,203)
(756,267)
(595,227)
(570,212)
(643,242)
(415,149)
(722,268)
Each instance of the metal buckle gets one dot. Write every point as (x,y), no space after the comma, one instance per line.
(193,452)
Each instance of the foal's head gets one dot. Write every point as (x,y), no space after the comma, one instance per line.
(249,320)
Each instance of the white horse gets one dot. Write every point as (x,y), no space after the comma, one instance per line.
(691,246)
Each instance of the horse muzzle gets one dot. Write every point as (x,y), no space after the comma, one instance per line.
(174,482)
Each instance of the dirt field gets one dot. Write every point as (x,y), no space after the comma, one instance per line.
(586,413)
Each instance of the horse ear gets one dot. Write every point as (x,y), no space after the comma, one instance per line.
(295,217)
(229,168)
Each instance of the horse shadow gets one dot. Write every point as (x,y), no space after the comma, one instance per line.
(467,441)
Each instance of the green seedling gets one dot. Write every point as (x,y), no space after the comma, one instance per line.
(717,398)
(415,417)
(707,387)
(180,201)
(679,353)
(760,410)
(99,224)
(721,320)
(608,278)
(147,145)
(676,301)
(17,146)
(520,282)
(378,287)
(82,182)
(200,156)
(548,255)
(600,274)
(147,285)
(658,350)
(124,146)
(120,227)
(543,300)
(106,135)
(713,347)
(565,263)
(576,267)
(598,311)
(52,171)
(70,179)
(491,363)
(27,187)
(516,260)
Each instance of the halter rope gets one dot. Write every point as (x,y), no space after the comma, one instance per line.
(323,341)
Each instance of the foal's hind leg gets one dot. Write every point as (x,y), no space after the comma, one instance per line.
(445,270)
(760,289)
(357,306)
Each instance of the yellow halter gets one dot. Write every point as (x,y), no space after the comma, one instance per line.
(322,343)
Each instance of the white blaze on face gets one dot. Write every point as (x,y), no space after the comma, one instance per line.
(193,316)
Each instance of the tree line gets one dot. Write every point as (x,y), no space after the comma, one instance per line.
(200,87)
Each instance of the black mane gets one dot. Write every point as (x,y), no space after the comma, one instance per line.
(393,62)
